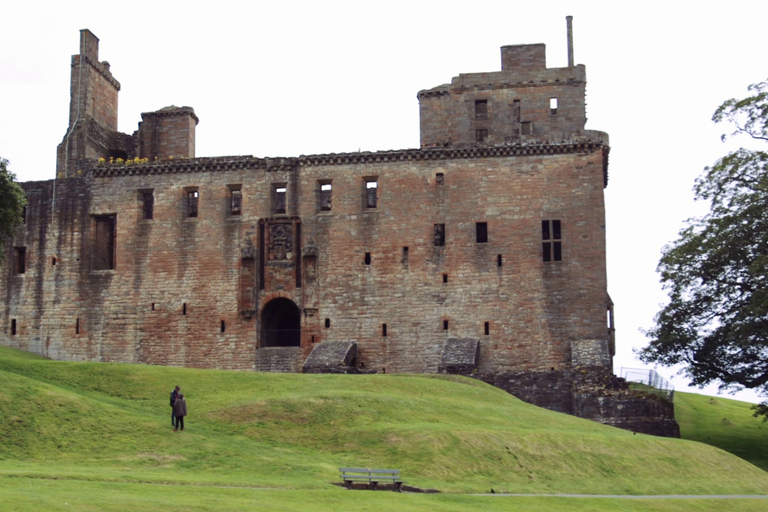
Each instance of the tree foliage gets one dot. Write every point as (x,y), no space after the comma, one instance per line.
(716,272)
(12,202)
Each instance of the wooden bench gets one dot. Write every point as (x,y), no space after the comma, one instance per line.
(372,476)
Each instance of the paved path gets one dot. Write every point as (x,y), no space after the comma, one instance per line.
(640,497)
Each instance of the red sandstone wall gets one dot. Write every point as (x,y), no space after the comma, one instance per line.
(135,312)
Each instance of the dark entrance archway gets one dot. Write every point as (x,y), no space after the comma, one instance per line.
(280,324)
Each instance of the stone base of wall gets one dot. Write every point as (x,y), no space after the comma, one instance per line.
(592,393)
(278,359)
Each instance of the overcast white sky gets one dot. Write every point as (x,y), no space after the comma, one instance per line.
(304,77)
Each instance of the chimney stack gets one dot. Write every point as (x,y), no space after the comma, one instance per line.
(569,22)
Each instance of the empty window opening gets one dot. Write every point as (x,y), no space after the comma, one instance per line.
(184,309)
(439,235)
(371,193)
(498,260)
(487,328)
(235,201)
(192,202)
(278,199)
(553,106)
(405,256)
(327,323)
(326,197)
(20,255)
(516,110)
(526,128)
(104,243)
(481,109)
(384,330)
(481,135)
(77,326)
(153,306)
(367,258)
(551,244)
(445,325)
(223,326)
(445,278)
(13,327)
(313,339)
(147,204)
(440,178)
(53,261)
(481,232)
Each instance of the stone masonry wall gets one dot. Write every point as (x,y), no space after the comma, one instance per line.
(173,296)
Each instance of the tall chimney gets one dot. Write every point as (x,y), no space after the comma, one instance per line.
(569,22)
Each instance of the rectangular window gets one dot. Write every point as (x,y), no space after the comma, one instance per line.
(371,192)
(104,242)
(440,178)
(279,193)
(404,260)
(553,106)
(487,327)
(20,260)
(445,325)
(147,204)
(192,202)
(516,111)
(481,109)
(326,196)
(551,244)
(439,235)
(235,200)
(13,327)
(526,128)
(481,135)
(481,232)
(384,330)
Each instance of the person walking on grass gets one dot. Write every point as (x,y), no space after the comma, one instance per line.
(174,396)
(180,410)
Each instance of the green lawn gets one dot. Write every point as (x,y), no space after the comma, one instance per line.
(98,436)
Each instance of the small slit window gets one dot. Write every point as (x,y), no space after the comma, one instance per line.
(445,325)
(481,109)
(499,260)
(223,326)
(193,197)
(551,244)
(326,196)
(235,200)
(438,236)
(487,328)
(327,323)
(20,260)
(367,259)
(384,330)
(481,232)
(371,193)
(445,278)
(13,327)
(279,193)
(77,326)
(147,204)
(184,308)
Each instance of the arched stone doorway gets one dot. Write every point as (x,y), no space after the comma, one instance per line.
(280,324)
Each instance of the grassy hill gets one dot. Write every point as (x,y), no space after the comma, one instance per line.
(99,435)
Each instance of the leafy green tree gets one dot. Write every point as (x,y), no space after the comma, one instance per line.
(12,202)
(716,272)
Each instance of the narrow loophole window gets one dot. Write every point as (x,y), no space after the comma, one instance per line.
(481,232)
(184,309)
(445,278)
(367,258)
(13,327)
(77,326)
(487,328)
(445,325)
(405,256)
(384,330)
(153,306)
(53,261)
(498,260)
(223,326)
(327,323)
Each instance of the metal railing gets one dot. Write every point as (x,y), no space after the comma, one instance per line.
(649,381)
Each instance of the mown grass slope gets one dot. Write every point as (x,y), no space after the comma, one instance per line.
(94,423)
(727,424)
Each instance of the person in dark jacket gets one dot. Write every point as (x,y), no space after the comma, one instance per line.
(174,396)
(180,410)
